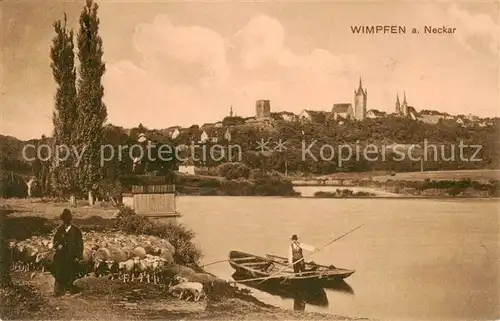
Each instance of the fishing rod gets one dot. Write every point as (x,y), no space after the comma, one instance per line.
(220,261)
(303,258)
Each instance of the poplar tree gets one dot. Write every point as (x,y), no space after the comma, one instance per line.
(65,112)
(92,112)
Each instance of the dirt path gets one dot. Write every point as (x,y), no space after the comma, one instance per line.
(102,299)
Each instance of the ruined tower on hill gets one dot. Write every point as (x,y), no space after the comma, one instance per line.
(262,109)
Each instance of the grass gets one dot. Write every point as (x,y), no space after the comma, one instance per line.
(50,209)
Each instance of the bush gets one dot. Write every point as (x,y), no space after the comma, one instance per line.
(21,228)
(321,194)
(207,171)
(12,185)
(110,189)
(234,170)
(186,252)
(238,188)
(274,186)
(5,257)
(455,191)
(343,193)
(19,301)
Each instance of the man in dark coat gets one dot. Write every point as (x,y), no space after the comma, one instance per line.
(68,244)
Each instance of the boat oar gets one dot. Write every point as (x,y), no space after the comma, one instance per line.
(303,258)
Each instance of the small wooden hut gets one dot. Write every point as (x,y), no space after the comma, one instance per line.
(155,200)
(150,196)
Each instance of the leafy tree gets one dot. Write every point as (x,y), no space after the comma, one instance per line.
(92,111)
(233,121)
(65,111)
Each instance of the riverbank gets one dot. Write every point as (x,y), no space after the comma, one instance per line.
(463,188)
(105,299)
(197,185)
(265,185)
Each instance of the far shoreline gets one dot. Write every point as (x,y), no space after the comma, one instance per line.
(347,197)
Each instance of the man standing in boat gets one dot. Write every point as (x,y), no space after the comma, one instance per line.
(295,254)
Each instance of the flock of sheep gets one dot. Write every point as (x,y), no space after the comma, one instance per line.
(127,257)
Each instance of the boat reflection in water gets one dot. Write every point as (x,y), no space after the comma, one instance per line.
(301,294)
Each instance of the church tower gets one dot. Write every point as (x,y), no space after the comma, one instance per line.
(360,97)
(231,112)
(398,105)
(404,106)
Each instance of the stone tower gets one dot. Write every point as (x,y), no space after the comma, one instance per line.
(398,105)
(262,109)
(360,97)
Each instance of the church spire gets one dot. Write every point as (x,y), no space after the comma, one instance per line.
(360,89)
(398,105)
(404,101)
(231,111)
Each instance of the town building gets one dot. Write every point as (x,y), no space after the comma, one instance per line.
(342,111)
(313,116)
(360,100)
(263,110)
(374,113)
(405,110)
(284,116)
(433,116)
(227,135)
(187,167)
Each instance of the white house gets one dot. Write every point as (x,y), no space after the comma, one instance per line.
(227,135)
(284,115)
(142,138)
(373,113)
(460,121)
(315,116)
(432,116)
(187,167)
(204,137)
(175,133)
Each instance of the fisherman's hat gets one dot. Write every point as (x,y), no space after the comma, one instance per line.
(66,215)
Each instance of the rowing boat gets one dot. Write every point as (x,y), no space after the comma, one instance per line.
(271,269)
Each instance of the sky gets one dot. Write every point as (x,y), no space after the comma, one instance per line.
(183,63)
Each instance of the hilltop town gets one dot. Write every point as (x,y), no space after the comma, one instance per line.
(340,113)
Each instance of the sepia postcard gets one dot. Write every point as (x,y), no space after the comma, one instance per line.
(249,160)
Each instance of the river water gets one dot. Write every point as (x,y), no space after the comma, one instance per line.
(414,259)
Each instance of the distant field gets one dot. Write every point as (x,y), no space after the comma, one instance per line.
(476,175)
(51,210)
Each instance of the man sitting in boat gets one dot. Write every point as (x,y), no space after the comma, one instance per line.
(295,254)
